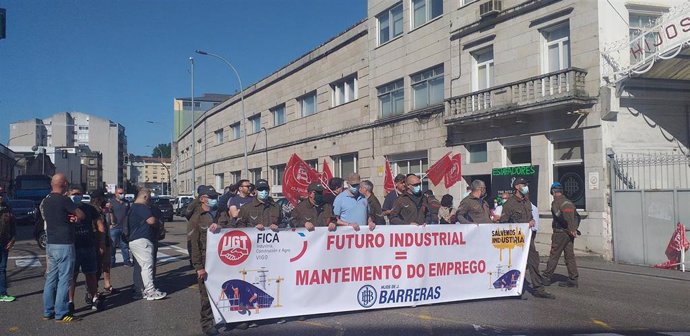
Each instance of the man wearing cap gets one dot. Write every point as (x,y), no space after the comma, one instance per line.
(473,209)
(564,226)
(412,206)
(313,211)
(262,211)
(518,209)
(351,207)
(202,221)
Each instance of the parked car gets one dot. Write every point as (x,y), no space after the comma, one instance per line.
(181,201)
(39,231)
(165,207)
(182,206)
(23,210)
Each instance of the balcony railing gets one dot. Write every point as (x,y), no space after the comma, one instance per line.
(567,83)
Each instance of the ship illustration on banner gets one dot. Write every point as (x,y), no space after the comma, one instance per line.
(243,297)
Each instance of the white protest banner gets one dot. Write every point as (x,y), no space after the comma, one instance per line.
(255,275)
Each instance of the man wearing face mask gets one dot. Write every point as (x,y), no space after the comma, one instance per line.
(390,198)
(351,207)
(518,209)
(313,211)
(60,214)
(411,207)
(262,211)
(118,218)
(473,209)
(202,222)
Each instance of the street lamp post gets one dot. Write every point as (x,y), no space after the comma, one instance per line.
(244,117)
(191,61)
(161,154)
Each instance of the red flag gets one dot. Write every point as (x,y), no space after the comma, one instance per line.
(326,175)
(298,175)
(388,183)
(677,245)
(454,173)
(436,172)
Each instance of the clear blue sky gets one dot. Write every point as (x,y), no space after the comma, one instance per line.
(126,60)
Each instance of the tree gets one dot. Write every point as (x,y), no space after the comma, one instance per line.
(163,149)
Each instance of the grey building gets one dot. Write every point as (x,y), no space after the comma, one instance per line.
(75,129)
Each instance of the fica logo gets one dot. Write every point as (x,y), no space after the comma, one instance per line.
(234,247)
(366,296)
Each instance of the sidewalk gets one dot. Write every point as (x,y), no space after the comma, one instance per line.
(587,260)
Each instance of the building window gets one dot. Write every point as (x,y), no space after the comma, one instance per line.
(390,23)
(556,47)
(425,10)
(391,98)
(236,176)
(412,166)
(278,172)
(235,131)
(344,165)
(639,22)
(307,104)
(569,170)
(344,91)
(467,2)
(92,162)
(427,87)
(313,163)
(483,70)
(519,155)
(255,174)
(477,153)
(92,173)
(255,122)
(219,136)
(220,181)
(278,115)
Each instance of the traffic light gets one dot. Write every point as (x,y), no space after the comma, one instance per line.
(3,23)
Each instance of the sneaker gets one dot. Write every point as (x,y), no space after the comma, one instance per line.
(155,295)
(546,280)
(569,284)
(69,318)
(47,318)
(253,325)
(137,296)
(88,298)
(281,321)
(7,298)
(129,264)
(543,294)
(97,303)
(70,308)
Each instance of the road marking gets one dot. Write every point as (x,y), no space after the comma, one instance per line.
(28,262)
(26,257)
(176,248)
(675,333)
(601,324)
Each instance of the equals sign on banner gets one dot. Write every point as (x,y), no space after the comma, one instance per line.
(401,255)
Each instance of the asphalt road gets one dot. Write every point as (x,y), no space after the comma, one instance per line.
(611,300)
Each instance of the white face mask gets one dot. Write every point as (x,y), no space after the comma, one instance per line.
(524,190)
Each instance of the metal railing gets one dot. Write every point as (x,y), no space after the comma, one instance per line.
(651,171)
(551,86)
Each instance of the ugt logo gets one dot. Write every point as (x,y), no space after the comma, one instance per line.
(234,247)
(366,296)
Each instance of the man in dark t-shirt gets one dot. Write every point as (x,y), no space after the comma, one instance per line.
(243,197)
(60,214)
(118,218)
(141,222)
(89,239)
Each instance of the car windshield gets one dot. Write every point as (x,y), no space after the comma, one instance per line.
(160,201)
(21,204)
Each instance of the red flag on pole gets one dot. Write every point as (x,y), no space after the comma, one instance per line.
(436,172)
(454,173)
(677,245)
(326,175)
(298,175)
(388,183)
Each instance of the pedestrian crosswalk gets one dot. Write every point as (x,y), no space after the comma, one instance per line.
(169,254)
(632,333)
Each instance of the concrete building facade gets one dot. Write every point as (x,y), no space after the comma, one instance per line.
(150,172)
(504,83)
(75,129)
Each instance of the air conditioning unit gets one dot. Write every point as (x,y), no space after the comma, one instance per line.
(490,8)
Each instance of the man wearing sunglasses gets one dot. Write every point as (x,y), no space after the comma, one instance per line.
(411,207)
(314,211)
(242,198)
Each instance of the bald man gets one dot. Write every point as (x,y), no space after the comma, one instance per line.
(60,214)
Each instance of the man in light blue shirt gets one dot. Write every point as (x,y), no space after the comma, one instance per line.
(351,207)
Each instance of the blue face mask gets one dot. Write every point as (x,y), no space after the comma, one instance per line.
(262,194)
(76,199)
(417,190)
(354,190)
(213,203)
(524,190)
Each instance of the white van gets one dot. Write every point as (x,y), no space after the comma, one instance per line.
(180,201)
